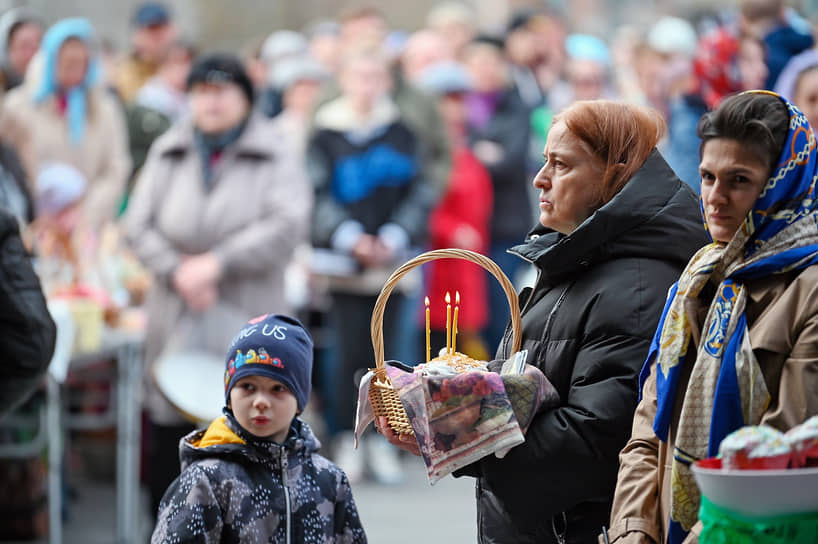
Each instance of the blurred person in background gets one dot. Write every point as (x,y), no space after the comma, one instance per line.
(62,114)
(798,83)
(65,248)
(299,80)
(525,55)
(461,219)
(766,20)
(278,47)
(165,91)
(364,25)
(550,31)
(498,125)
(153,34)
(250,55)
(725,63)
(640,69)
(160,102)
(587,71)
(456,22)
(423,49)
(373,197)
(220,205)
(20,34)
(674,40)
(324,39)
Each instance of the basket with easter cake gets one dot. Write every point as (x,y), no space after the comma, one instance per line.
(457,408)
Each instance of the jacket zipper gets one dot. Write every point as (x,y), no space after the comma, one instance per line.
(507,335)
(286,483)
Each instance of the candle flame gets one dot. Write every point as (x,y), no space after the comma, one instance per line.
(448,298)
(457,297)
(426,301)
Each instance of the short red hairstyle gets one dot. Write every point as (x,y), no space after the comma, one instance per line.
(621,135)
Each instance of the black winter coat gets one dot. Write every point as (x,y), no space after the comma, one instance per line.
(27,332)
(588,324)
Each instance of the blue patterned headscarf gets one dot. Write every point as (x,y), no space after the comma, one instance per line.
(726,389)
(77,96)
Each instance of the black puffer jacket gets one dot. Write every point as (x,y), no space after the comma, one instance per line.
(587,324)
(27,332)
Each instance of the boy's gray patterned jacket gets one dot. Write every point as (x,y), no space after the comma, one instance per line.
(235,487)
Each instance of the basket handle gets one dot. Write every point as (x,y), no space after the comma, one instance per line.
(376,325)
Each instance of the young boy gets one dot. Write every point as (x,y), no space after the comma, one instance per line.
(255,475)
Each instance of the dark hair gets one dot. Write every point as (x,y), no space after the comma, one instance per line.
(758,120)
(221,68)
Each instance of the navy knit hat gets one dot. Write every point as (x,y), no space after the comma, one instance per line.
(221,68)
(275,346)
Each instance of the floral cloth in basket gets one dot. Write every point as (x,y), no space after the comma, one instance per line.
(462,418)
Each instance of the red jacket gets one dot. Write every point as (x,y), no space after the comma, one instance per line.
(468,202)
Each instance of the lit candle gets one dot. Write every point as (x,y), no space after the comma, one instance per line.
(454,324)
(448,322)
(428,347)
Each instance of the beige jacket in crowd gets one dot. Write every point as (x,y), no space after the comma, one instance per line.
(131,74)
(257,211)
(782,317)
(40,134)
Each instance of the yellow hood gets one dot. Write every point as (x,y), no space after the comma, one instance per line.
(217,434)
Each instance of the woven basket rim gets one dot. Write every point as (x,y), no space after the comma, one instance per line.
(376,324)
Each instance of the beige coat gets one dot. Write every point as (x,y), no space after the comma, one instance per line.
(40,135)
(252,218)
(782,316)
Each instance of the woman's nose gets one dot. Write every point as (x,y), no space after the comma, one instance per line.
(717,194)
(541,179)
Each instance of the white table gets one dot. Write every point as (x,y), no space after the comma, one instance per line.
(124,413)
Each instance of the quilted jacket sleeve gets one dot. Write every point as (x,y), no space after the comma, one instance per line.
(189,512)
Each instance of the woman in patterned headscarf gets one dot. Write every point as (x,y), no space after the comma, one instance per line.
(737,343)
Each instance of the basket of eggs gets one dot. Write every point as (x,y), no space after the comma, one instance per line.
(382,395)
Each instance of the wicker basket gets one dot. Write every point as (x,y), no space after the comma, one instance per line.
(382,395)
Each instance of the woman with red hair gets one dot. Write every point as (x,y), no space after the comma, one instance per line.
(616,228)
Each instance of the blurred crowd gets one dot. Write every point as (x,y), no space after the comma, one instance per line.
(295,175)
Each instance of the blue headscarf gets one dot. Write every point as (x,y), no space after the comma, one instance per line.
(779,234)
(77,96)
